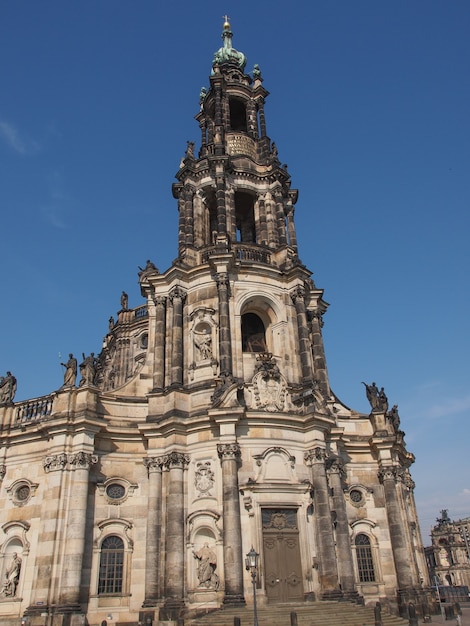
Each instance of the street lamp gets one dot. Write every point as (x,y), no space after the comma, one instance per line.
(251,563)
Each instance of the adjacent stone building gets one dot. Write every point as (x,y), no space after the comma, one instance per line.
(207,425)
(449,555)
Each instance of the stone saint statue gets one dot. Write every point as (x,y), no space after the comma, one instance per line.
(378,400)
(124,301)
(70,375)
(7,388)
(12,576)
(88,369)
(203,342)
(206,568)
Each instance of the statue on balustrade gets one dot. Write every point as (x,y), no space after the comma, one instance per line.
(88,369)
(70,375)
(7,388)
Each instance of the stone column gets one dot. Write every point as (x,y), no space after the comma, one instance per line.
(318,351)
(328,571)
(263,225)
(159,351)
(291,228)
(229,454)
(298,298)
(74,543)
(221,208)
(154,529)
(281,219)
(189,215)
(181,221)
(175,463)
(343,543)
(225,340)
(389,476)
(262,118)
(177,298)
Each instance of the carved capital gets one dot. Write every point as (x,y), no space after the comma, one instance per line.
(298,295)
(154,463)
(391,472)
(55,462)
(77,460)
(315,456)
(82,460)
(228,451)
(177,294)
(159,300)
(222,280)
(334,465)
(175,459)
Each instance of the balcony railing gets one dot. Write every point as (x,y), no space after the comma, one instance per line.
(249,253)
(33,410)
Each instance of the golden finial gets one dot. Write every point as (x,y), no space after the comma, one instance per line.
(226,22)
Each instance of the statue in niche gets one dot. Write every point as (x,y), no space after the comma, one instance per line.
(70,375)
(206,567)
(7,388)
(12,576)
(203,342)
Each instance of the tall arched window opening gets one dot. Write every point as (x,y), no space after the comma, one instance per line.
(253,333)
(237,115)
(245,217)
(111,565)
(365,563)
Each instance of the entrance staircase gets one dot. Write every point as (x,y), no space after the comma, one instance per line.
(314,614)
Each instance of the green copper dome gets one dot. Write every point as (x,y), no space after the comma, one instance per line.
(227,54)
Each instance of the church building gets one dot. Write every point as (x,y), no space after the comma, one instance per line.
(206,426)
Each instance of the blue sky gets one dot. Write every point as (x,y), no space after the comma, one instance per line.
(369,107)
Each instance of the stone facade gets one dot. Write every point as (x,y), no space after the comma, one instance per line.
(449,555)
(207,425)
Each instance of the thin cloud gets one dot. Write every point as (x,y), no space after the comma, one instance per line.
(19,143)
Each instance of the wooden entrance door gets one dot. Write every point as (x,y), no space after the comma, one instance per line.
(283,572)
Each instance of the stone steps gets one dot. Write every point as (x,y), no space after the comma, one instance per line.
(313,614)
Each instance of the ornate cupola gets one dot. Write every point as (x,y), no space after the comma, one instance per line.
(234,196)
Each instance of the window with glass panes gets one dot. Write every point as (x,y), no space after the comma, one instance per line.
(111,565)
(365,563)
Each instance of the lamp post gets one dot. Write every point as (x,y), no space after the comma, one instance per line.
(251,563)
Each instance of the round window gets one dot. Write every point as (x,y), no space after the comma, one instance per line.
(355,495)
(115,491)
(22,493)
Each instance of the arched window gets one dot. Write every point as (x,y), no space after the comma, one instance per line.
(365,563)
(237,115)
(111,565)
(253,333)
